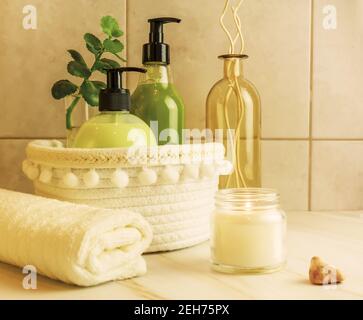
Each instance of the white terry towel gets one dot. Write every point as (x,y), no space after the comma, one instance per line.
(74,243)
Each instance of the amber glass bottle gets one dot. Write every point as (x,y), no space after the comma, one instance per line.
(233,106)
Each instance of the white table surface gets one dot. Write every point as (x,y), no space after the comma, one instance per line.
(337,237)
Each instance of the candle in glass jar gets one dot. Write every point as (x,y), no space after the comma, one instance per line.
(248,231)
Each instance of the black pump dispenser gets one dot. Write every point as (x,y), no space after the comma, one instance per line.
(156,50)
(115,97)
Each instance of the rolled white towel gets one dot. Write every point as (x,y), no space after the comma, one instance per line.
(74,243)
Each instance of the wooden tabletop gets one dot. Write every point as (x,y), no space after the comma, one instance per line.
(186,274)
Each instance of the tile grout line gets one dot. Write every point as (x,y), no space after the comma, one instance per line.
(262,139)
(33,138)
(311,92)
(337,139)
(312,139)
(284,139)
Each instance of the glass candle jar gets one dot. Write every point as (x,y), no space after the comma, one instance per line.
(248,231)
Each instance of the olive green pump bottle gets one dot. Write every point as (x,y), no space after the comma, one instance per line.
(156,100)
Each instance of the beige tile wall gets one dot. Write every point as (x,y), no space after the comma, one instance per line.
(338,94)
(337,110)
(337,174)
(32,60)
(309,79)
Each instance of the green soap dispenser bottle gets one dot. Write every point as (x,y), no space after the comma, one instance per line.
(114,127)
(156,99)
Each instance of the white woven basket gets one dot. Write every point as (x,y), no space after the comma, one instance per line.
(172,186)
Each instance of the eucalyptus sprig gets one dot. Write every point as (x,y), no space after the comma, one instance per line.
(89,89)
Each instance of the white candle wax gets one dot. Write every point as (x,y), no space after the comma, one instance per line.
(248,240)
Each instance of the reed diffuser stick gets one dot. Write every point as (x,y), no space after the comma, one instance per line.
(234,87)
(237,21)
(221,20)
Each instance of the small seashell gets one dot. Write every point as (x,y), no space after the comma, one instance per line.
(120,178)
(45,175)
(147,177)
(191,171)
(70,180)
(322,273)
(207,170)
(170,174)
(91,178)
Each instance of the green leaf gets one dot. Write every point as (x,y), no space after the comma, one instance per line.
(111,63)
(104,63)
(101,66)
(63,88)
(113,46)
(110,27)
(77,56)
(93,44)
(77,69)
(99,85)
(90,91)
